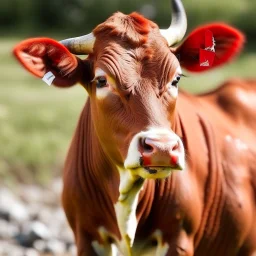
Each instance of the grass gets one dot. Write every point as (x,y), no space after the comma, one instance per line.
(37,121)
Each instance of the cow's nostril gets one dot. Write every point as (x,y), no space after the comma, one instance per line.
(145,147)
(175,147)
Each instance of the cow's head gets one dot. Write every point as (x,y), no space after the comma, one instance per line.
(131,75)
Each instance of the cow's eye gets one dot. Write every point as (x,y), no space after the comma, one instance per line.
(101,82)
(176,81)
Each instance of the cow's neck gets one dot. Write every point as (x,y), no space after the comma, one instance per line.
(96,170)
(122,190)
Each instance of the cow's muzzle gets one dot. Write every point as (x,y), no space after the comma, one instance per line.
(155,153)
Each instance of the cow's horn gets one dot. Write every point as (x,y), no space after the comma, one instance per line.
(80,45)
(178,27)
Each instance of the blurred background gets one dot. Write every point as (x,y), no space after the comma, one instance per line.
(37,121)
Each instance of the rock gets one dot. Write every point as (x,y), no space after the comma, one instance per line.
(33,223)
(40,245)
(72,250)
(40,230)
(46,214)
(11,208)
(9,249)
(32,232)
(57,186)
(31,252)
(52,247)
(55,247)
(34,210)
(59,228)
(8,230)
(4,214)
(66,235)
(35,195)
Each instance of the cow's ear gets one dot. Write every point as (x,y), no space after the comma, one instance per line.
(209,46)
(50,60)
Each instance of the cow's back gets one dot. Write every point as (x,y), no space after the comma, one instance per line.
(236,100)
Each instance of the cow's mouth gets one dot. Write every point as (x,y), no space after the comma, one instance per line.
(154,172)
(157,172)
(162,167)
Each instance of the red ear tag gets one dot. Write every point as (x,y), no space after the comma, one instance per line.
(206,58)
(206,55)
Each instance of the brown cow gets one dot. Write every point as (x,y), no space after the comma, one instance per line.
(122,191)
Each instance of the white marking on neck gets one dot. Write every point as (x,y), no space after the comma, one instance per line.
(105,248)
(162,248)
(125,209)
(114,250)
(147,248)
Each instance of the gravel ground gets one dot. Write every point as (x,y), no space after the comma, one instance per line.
(32,222)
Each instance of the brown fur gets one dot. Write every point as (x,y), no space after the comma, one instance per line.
(197,210)
(132,28)
(208,208)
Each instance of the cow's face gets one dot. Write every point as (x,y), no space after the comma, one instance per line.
(133,95)
(131,76)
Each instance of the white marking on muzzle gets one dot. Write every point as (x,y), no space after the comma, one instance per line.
(132,160)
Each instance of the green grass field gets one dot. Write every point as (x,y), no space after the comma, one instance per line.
(37,121)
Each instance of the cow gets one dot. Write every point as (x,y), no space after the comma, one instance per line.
(151,171)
